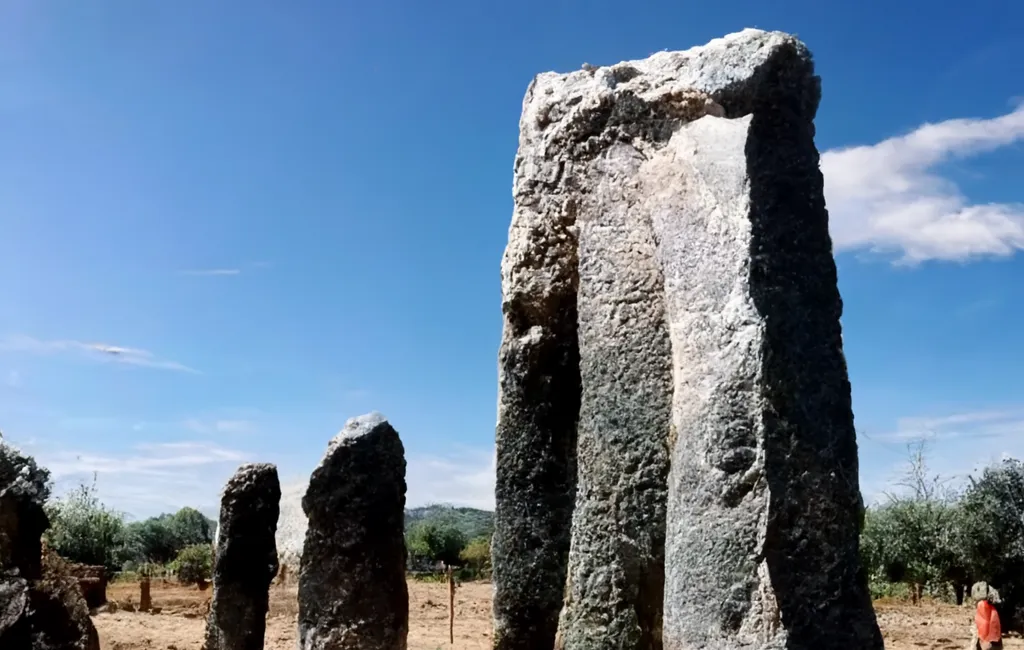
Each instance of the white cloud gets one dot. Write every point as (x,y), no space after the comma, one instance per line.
(465,478)
(212,272)
(888,197)
(97,351)
(973,424)
(220,426)
(958,445)
(150,478)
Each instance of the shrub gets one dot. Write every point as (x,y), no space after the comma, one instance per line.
(993,538)
(194,564)
(477,555)
(435,542)
(84,530)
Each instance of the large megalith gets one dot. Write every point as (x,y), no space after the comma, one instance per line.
(352,590)
(676,204)
(41,604)
(245,559)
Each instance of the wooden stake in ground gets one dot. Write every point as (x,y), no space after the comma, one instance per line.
(451,606)
(145,601)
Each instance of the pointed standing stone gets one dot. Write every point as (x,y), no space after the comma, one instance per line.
(245,560)
(352,590)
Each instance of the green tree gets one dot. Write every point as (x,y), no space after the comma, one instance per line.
(993,538)
(162,537)
(435,542)
(477,555)
(84,530)
(914,537)
(188,527)
(156,540)
(194,564)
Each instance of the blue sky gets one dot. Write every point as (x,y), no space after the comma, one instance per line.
(227,227)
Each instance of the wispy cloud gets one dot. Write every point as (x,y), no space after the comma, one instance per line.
(975,424)
(13,379)
(464,478)
(148,478)
(889,198)
(220,426)
(212,272)
(958,445)
(96,351)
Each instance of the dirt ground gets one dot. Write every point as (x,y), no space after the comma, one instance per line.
(180,622)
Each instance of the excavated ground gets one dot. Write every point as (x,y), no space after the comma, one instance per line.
(180,623)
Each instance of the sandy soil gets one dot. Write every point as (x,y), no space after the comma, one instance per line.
(180,623)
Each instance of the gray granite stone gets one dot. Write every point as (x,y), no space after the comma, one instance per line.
(673,207)
(352,590)
(246,559)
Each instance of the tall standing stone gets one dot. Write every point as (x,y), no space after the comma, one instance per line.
(677,201)
(245,559)
(352,590)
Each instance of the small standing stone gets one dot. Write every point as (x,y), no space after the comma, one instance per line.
(246,559)
(352,590)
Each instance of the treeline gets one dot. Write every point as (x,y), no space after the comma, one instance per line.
(84,530)
(443,534)
(933,539)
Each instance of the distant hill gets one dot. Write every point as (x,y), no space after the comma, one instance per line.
(471,521)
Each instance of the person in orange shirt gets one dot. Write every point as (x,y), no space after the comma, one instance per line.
(987,633)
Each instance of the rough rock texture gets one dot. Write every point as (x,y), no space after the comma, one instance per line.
(92,580)
(41,604)
(539,379)
(614,591)
(674,205)
(291,525)
(246,559)
(352,590)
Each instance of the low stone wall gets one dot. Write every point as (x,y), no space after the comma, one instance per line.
(93,582)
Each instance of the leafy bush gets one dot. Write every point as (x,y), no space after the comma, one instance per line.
(477,555)
(993,533)
(433,542)
(84,530)
(911,541)
(194,564)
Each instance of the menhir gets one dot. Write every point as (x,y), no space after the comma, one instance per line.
(676,456)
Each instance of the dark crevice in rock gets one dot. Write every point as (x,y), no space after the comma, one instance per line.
(811,545)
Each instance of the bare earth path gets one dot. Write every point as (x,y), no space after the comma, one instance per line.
(181,621)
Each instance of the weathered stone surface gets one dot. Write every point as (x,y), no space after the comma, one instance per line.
(41,604)
(614,591)
(352,590)
(246,559)
(538,404)
(677,201)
